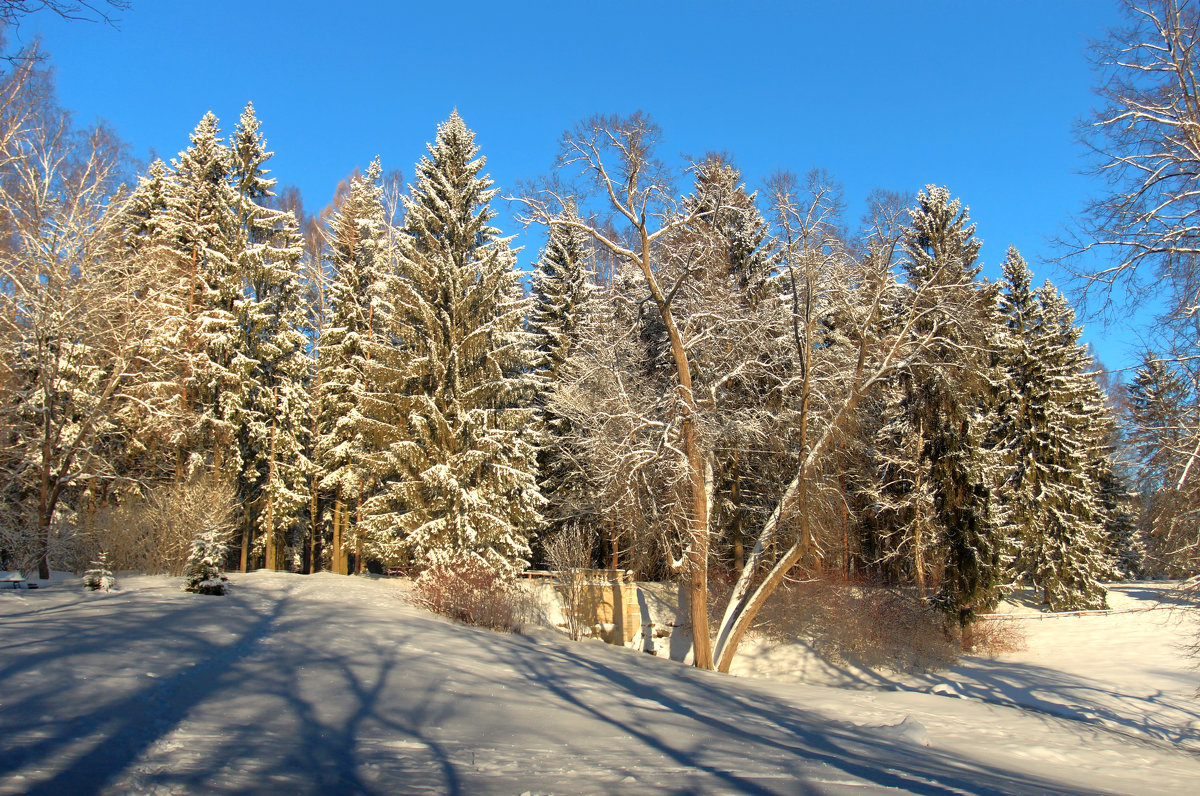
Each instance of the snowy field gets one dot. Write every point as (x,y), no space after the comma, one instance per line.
(326,684)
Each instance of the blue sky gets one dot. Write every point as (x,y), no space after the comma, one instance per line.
(980,96)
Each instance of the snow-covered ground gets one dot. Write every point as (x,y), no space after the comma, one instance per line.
(326,684)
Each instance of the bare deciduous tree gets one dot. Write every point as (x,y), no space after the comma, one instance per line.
(616,156)
(1146,226)
(79,314)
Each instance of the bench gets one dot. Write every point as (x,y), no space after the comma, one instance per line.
(12,580)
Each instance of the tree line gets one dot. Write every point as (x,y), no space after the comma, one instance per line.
(702,382)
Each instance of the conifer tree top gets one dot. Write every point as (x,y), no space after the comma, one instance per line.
(448,209)
(940,239)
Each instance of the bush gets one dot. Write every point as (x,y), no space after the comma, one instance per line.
(463,587)
(986,636)
(569,552)
(875,626)
(100,576)
(154,534)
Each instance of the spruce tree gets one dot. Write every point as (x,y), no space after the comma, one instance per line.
(142,215)
(949,398)
(741,243)
(271,430)
(1049,429)
(198,226)
(1161,412)
(356,234)
(462,452)
(562,288)
(732,240)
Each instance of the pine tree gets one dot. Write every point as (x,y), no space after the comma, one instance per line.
(462,449)
(271,429)
(356,233)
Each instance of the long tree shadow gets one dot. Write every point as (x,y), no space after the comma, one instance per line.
(122,726)
(1027,686)
(266,694)
(268,710)
(777,729)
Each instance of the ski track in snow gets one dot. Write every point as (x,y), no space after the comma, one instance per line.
(326,684)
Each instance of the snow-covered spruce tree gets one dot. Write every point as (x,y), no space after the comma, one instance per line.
(142,216)
(905,533)
(948,397)
(100,577)
(1085,410)
(1048,428)
(356,232)
(271,429)
(1162,410)
(741,248)
(460,464)
(198,227)
(562,288)
(202,574)
(1124,542)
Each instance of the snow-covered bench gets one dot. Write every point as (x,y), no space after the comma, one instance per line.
(12,580)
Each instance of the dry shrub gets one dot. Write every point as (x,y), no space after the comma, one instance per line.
(154,534)
(463,587)
(871,625)
(988,636)
(20,546)
(569,552)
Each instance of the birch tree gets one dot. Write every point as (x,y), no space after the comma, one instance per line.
(1145,227)
(616,158)
(78,314)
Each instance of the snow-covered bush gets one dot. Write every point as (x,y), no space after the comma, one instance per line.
(100,577)
(871,625)
(463,587)
(203,571)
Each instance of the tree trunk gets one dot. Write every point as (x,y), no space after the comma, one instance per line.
(696,559)
(244,560)
(335,552)
(358,556)
(745,610)
(47,497)
(739,547)
(272,561)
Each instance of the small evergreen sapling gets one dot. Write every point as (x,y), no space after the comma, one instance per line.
(203,571)
(100,577)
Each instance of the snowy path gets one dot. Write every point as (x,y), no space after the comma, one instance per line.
(334,685)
